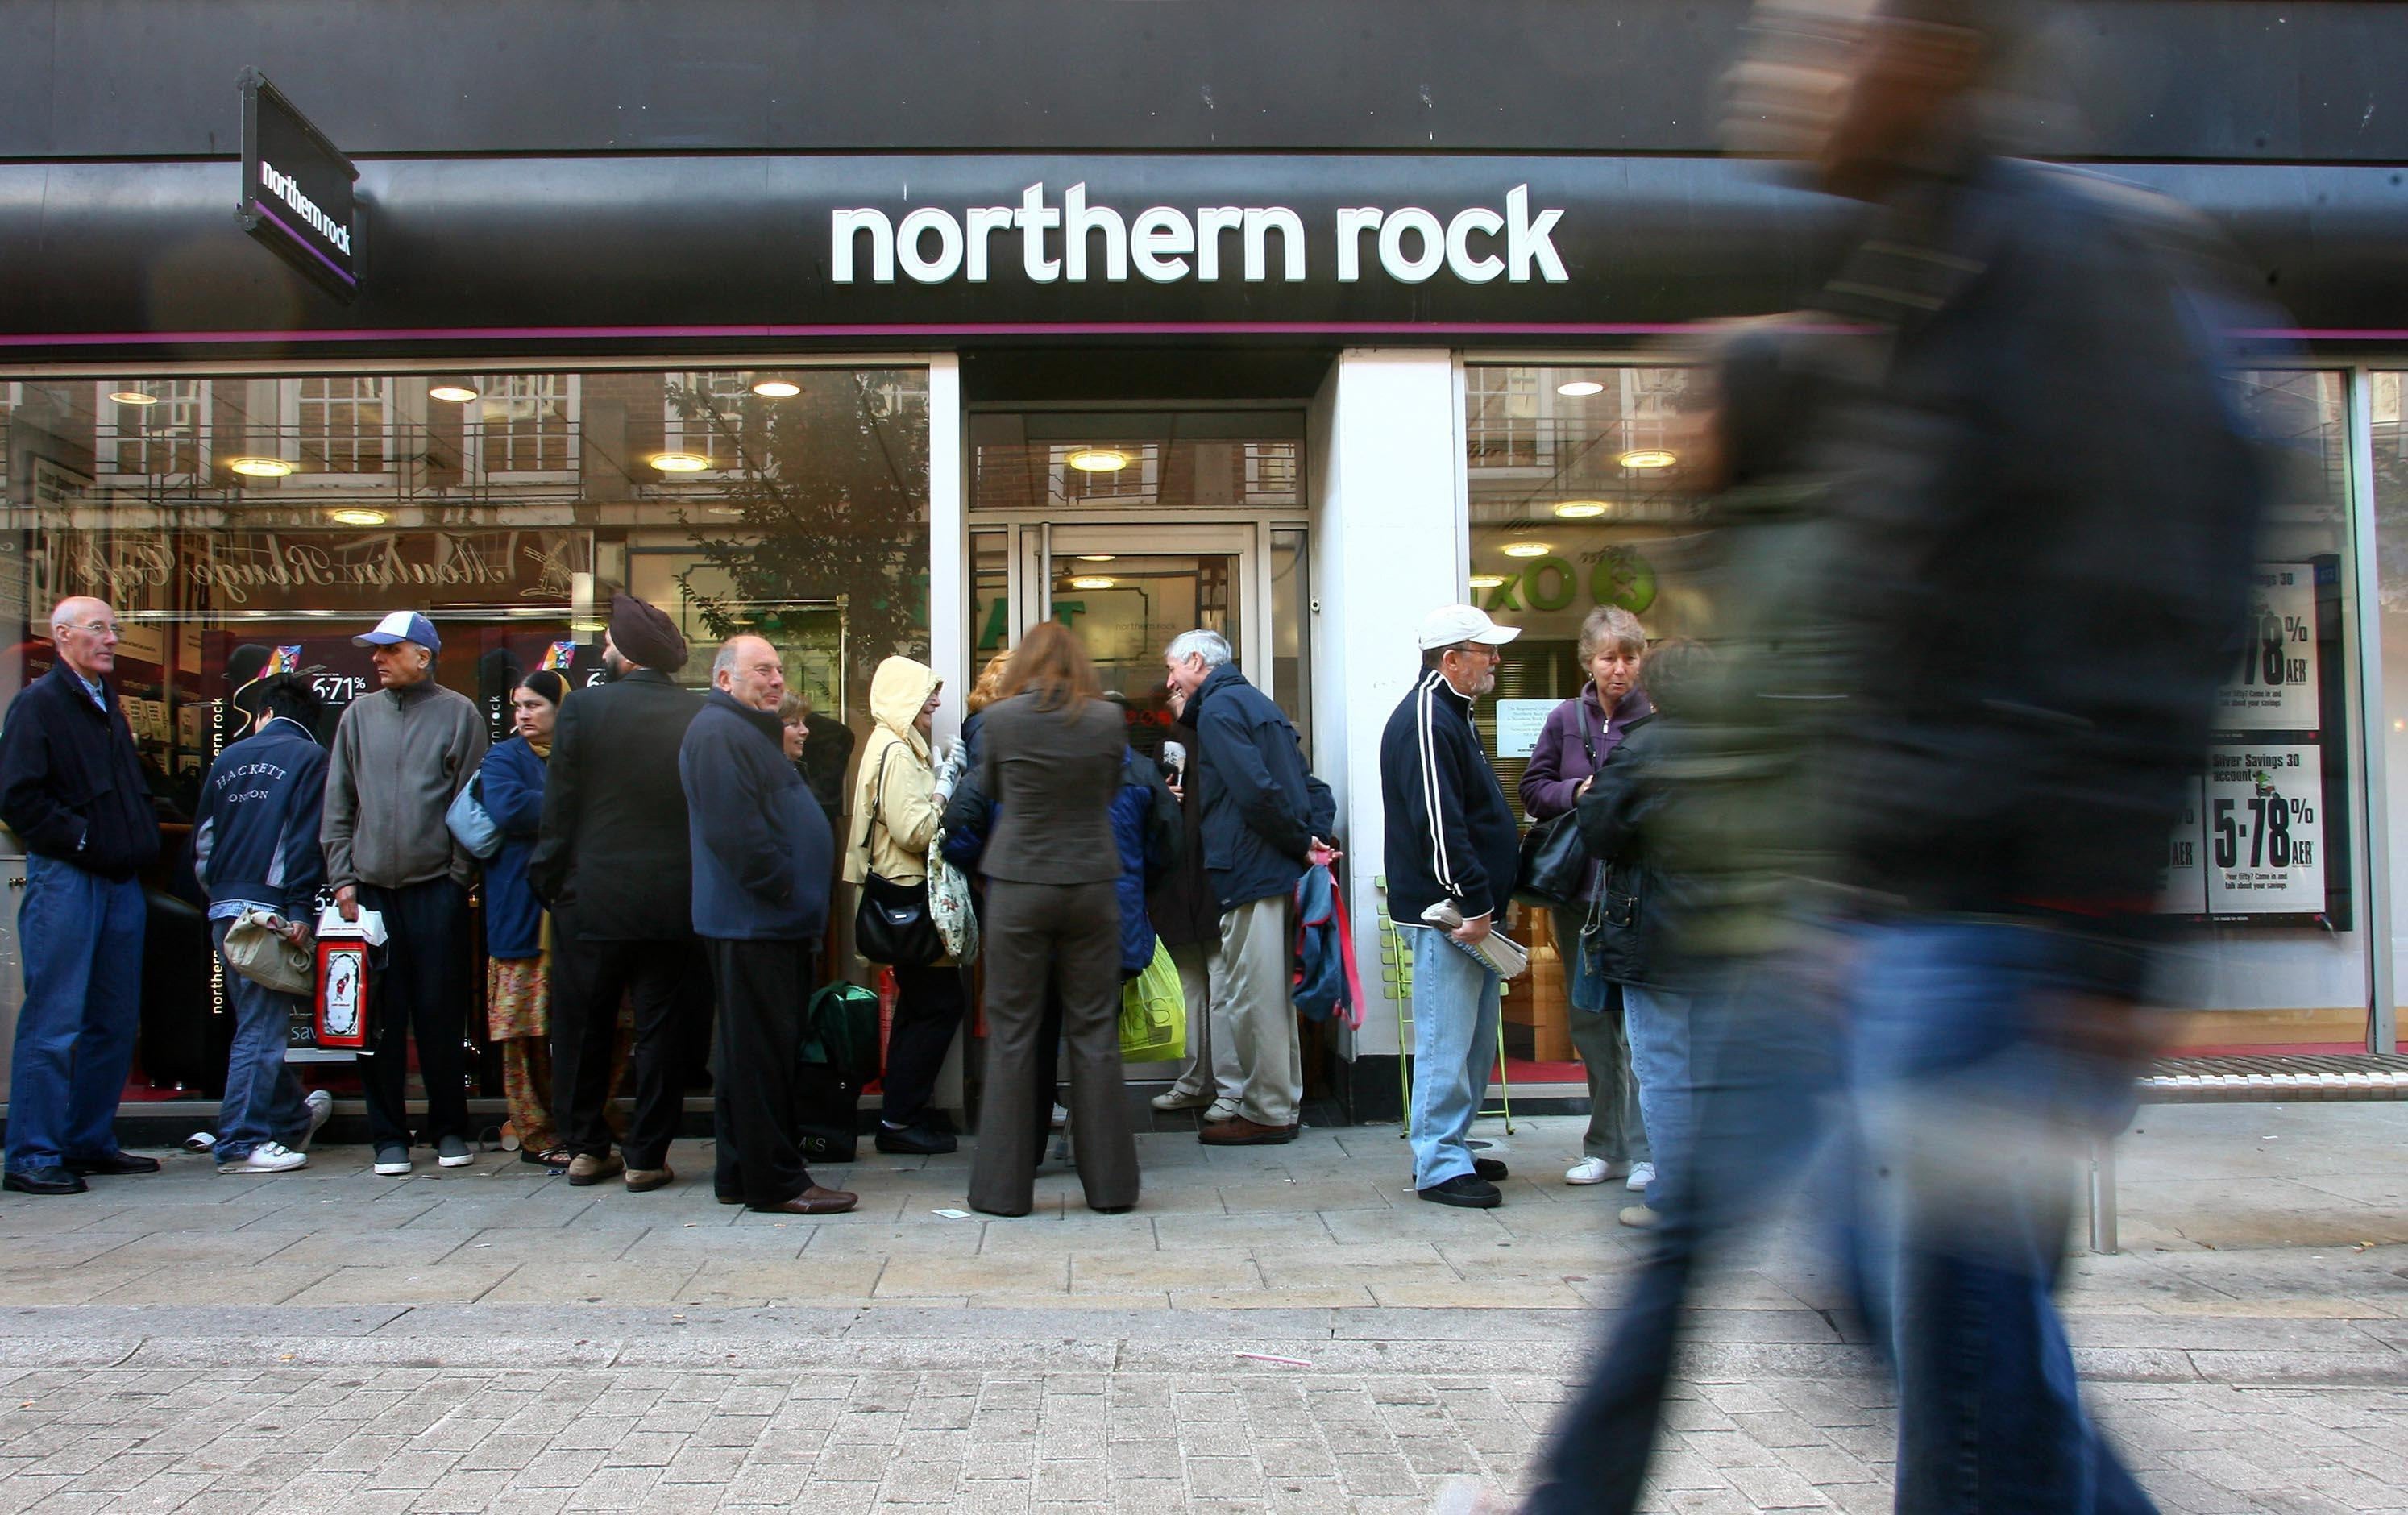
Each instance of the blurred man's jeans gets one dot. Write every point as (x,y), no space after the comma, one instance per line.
(1972,1108)
(1763,1064)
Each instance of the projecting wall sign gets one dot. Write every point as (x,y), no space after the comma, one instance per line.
(297,189)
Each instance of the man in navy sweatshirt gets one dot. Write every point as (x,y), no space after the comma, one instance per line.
(763,858)
(255,847)
(1451,840)
(72,788)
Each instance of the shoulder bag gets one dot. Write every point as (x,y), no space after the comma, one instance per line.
(892,925)
(471,825)
(1555,865)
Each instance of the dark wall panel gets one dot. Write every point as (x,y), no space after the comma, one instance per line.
(115,78)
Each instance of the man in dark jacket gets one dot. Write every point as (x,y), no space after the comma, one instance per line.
(1266,820)
(71,788)
(1451,841)
(614,861)
(763,857)
(255,847)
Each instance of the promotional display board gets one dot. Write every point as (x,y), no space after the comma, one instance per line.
(2274,686)
(2264,829)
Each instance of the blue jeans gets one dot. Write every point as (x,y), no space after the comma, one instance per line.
(1972,1110)
(263,1101)
(1766,1066)
(80,936)
(1454,1047)
(1658,1021)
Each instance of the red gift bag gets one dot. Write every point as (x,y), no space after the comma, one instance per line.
(342,999)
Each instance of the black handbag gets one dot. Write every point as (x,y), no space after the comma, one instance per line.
(1554,870)
(892,925)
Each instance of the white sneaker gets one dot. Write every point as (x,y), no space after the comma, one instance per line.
(1221,1109)
(1590,1170)
(1182,1099)
(267,1157)
(1642,1175)
(321,1109)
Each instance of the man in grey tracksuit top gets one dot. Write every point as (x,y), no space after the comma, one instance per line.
(399,758)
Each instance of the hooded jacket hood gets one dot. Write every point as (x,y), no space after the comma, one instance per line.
(896,691)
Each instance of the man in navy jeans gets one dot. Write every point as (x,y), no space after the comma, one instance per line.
(72,788)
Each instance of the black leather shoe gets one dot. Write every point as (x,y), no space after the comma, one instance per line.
(917,1141)
(111,1165)
(49,1179)
(1467,1190)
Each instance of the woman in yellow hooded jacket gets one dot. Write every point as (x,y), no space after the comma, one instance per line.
(896,812)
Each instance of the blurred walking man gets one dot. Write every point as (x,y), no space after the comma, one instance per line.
(763,860)
(401,756)
(1266,819)
(614,858)
(71,788)
(1451,841)
(2044,508)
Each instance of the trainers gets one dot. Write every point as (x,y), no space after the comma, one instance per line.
(1182,1099)
(391,1159)
(267,1157)
(1638,1217)
(1221,1109)
(1467,1191)
(1590,1170)
(1642,1175)
(321,1109)
(453,1153)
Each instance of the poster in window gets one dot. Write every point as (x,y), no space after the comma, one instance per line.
(2273,685)
(2265,830)
(2182,887)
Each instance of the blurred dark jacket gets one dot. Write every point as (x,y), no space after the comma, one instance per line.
(1645,904)
(2048,502)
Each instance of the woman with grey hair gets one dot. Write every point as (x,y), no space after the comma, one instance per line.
(1579,736)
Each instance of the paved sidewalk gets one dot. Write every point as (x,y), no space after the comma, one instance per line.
(1281,1328)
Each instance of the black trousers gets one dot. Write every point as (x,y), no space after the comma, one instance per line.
(423,989)
(763,987)
(1065,938)
(929,1004)
(588,978)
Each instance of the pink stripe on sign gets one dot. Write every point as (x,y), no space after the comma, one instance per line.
(286,227)
(851,330)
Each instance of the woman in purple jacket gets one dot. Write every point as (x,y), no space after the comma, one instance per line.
(1579,736)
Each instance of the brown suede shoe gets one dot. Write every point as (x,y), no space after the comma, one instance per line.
(1236,1131)
(585,1168)
(814,1201)
(644,1180)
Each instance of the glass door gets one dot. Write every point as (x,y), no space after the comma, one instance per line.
(1126,591)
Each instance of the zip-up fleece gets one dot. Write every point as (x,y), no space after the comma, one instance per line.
(1449,832)
(399,758)
(256,839)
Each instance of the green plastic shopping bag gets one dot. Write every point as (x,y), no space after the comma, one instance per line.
(1153,1013)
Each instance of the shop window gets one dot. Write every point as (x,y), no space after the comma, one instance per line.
(11,395)
(151,429)
(1272,474)
(522,428)
(1091,474)
(1503,425)
(703,416)
(343,426)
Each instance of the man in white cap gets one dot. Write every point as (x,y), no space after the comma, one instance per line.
(399,758)
(1451,840)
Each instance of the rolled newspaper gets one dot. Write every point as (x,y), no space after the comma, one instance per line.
(1499,954)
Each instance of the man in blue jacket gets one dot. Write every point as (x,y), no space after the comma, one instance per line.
(255,847)
(1451,840)
(763,858)
(72,788)
(1266,819)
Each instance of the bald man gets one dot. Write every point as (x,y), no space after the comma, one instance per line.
(72,788)
(763,860)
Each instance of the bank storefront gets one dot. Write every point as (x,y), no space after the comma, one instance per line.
(867,404)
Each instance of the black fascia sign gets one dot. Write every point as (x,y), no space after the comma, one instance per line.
(298,190)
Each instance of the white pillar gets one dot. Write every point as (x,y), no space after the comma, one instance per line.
(1389,547)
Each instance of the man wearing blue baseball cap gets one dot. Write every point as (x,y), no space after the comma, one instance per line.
(399,758)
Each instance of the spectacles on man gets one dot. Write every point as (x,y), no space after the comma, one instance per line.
(98,628)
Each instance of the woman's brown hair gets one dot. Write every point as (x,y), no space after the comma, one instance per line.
(1053,665)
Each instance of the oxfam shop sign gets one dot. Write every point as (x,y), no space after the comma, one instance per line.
(1554,583)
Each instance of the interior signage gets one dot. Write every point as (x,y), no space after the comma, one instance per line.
(297,189)
(1073,242)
